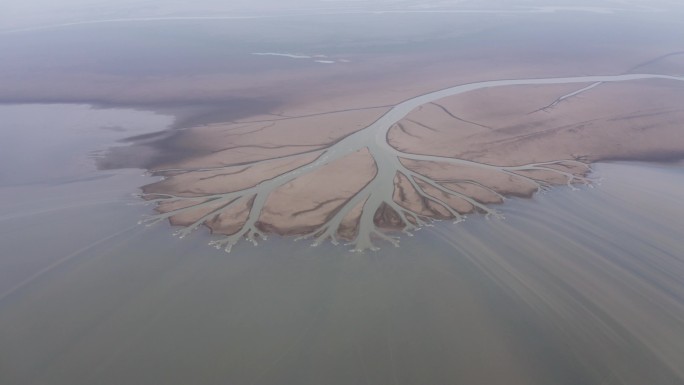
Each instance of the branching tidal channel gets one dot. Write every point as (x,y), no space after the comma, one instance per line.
(378,199)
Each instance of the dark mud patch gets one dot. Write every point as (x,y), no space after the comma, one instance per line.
(155,149)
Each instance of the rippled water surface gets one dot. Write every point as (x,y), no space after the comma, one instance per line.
(573,287)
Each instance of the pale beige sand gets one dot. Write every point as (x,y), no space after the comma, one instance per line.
(516,140)
(635,120)
(308,201)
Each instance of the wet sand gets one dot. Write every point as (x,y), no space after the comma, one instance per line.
(438,155)
(638,120)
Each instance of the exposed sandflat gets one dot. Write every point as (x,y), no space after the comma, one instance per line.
(485,145)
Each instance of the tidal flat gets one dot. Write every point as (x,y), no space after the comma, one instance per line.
(544,132)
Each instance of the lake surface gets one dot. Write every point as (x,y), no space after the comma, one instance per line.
(573,287)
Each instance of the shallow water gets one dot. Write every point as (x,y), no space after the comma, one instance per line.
(573,287)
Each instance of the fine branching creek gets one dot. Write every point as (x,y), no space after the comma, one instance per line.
(375,209)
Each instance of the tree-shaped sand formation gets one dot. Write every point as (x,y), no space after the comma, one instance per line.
(370,183)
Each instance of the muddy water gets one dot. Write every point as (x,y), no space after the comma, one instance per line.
(573,287)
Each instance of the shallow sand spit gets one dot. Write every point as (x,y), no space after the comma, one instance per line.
(359,174)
